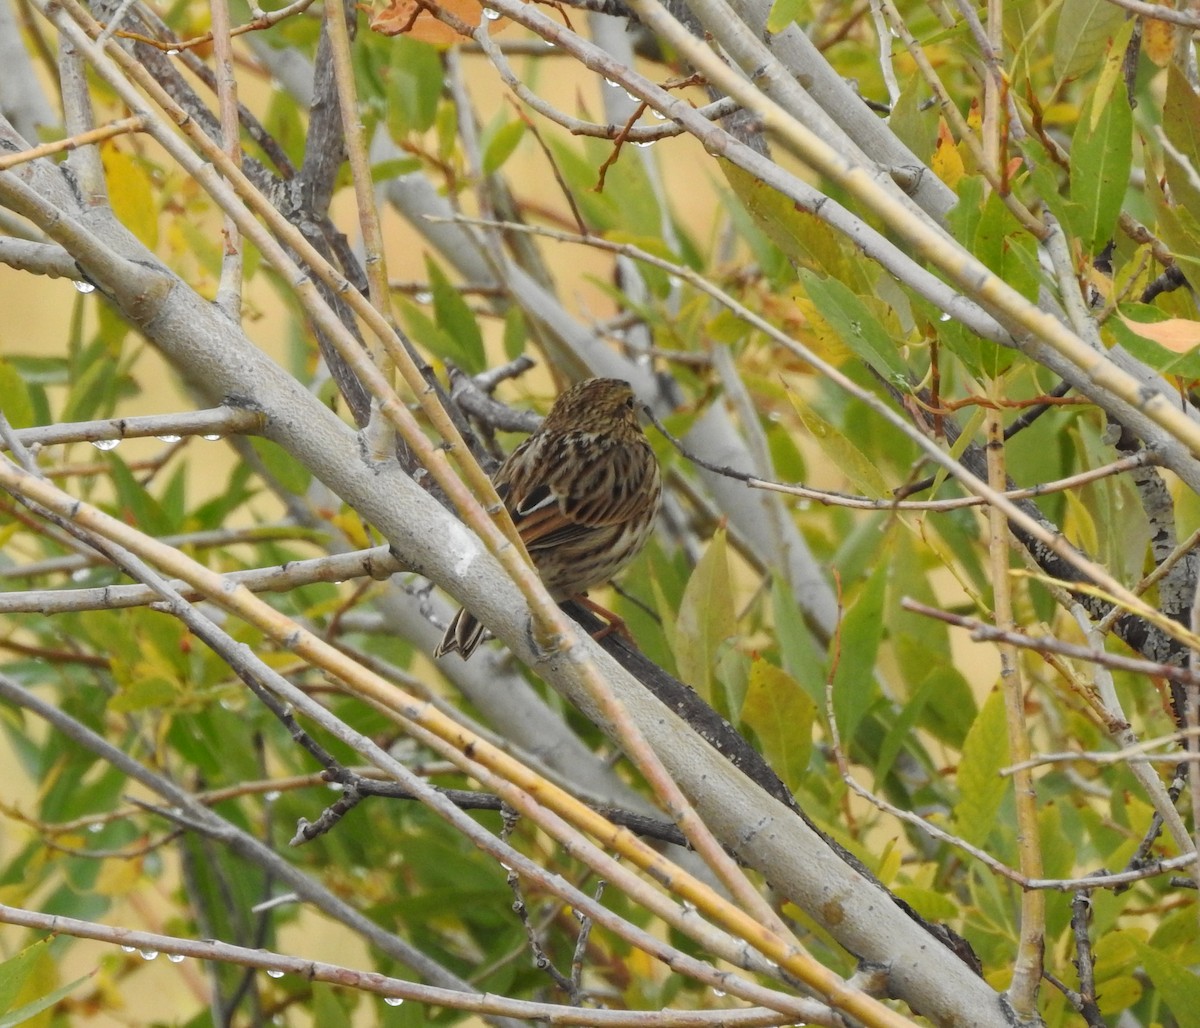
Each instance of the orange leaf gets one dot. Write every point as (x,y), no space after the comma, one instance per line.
(1158,41)
(406,16)
(1175,334)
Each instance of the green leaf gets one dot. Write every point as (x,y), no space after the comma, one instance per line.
(143,694)
(17,970)
(329,1009)
(1181,126)
(515,333)
(657,280)
(455,318)
(706,617)
(803,237)
(16,403)
(235,491)
(92,378)
(800,654)
(930,904)
(134,503)
(1082,35)
(914,123)
(901,731)
(857,326)
(599,210)
(981,789)
(1178,228)
(781,714)
(26,1013)
(1178,986)
(1006,248)
(501,146)
(858,643)
(395,168)
(427,334)
(950,718)
(842,453)
(785,12)
(414,87)
(1101,156)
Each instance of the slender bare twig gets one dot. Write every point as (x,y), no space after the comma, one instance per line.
(1156,13)
(1027,963)
(398,988)
(229,289)
(215,422)
(96,135)
(983,632)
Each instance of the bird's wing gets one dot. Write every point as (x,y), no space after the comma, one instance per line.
(566,502)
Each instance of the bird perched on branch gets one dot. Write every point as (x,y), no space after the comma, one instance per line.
(584,492)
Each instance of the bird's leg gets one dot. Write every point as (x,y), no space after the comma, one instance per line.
(616,623)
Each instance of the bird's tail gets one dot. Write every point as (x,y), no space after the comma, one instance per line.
(462,636)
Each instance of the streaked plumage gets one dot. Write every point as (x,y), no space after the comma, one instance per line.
(584,492)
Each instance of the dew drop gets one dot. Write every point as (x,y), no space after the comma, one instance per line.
(176,958)
(943,316)
(610,82)
(212,438)
(106,444)
(173,52)
(423,297)
(635,99)
(84,287)
(80,575)
(148,954)
(96,829)
(645,142)
(336,786)
(658,114)
(274,972)
(272,796)
(393,1001)
(718,992)
(169,438)
(490,14)
(128,949)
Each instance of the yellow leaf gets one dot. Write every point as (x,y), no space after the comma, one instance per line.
(781,714)
(351,524)
(129,192)
(1158,40)
(947,162)
(119,877)
(1112,71)
(854,464)
(889,864)
(1082,526)
(818,335)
